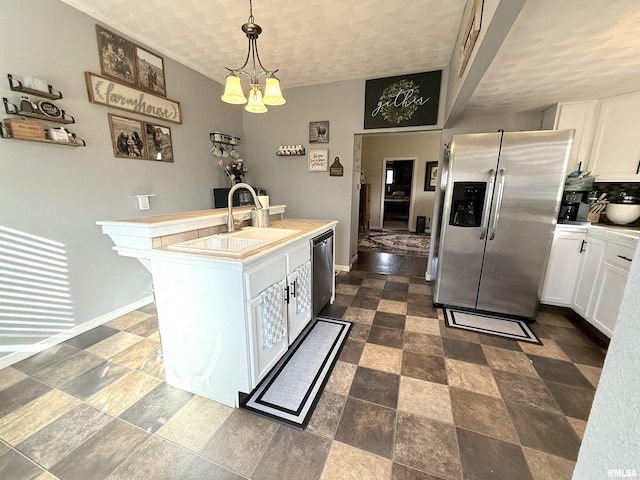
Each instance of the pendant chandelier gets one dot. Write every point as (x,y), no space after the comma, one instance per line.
(233,90)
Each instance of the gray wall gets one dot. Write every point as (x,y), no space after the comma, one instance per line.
(58,193)
(286,179)
(611,438)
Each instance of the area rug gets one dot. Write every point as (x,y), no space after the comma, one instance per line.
(510,328)
(398,243)
(290,392)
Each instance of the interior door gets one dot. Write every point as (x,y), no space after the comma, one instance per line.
(529,184)
(468,194)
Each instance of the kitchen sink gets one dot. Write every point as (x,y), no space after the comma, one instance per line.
(235,244)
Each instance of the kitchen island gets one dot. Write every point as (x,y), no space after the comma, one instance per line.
(224,321)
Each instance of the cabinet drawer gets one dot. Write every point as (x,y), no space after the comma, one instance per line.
(265,275)
(299,256)
(619,255)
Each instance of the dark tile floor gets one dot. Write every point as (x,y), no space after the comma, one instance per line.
(408,399)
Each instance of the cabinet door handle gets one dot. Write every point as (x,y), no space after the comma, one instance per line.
(584,242)
(286,294)
(638,169)
(624,258)
(293,290)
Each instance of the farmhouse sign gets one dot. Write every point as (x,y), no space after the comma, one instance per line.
(402,101)
(105,91)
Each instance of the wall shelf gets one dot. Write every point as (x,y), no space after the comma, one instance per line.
(291,151)
(79,142)
(217,137)
(283,154)
(16,86)
(13,109)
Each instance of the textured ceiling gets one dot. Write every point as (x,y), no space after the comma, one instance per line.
(564,50)
(557,50)
(309,42)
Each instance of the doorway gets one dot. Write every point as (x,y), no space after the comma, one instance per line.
(396,204)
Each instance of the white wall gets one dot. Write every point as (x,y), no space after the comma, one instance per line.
(58,193)
(509,122)
(611,438)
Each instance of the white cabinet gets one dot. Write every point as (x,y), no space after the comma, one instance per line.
(578,116)
(562,269)
(588,271)
(267,315)
(298,293)
(589,267)
(615,154)
(279,306)
(609,287)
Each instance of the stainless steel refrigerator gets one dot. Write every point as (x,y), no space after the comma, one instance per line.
(500,205)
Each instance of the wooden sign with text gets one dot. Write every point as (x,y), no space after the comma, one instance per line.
(402,101)
(108,92)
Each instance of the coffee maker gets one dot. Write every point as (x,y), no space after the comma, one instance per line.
(575,206)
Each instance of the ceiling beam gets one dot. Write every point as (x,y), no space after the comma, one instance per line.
(489,43)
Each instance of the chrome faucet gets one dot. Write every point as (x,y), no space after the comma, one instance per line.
(237,186)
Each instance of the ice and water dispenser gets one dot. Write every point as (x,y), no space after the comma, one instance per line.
(467,204)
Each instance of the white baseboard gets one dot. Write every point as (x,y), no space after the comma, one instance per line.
(23,353)
(343,268)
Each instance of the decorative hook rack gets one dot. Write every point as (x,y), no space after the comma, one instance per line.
(217,137)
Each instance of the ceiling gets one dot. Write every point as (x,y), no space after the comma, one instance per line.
(557,50)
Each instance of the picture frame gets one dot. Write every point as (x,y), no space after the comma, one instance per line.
(470,35)
(150,72)
(319,132)
(431,176)
(127,137)
(318,160)
(114,94)
(117,56)
(158,142)
(411,100)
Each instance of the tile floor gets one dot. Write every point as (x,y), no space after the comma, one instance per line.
(409,399)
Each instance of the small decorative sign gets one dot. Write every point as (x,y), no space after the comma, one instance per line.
(50,109)
(104,91)
(318,160)
(336,169)
(402,101)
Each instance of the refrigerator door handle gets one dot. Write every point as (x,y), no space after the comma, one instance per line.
(496,215)
(487,204)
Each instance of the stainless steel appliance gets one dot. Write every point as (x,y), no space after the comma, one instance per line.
(500,206)
(322,270)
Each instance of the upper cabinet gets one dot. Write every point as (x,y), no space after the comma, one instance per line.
(578,116)
(615,154)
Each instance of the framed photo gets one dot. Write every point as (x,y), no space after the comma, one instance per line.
(158,142)
(127,137)
(117,56)
(318,160)
(319,132)
(150,72)
(431,177)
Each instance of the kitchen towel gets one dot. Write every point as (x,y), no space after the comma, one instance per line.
(274,326)
(303,288)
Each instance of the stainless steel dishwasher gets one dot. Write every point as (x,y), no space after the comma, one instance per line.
(322,268)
